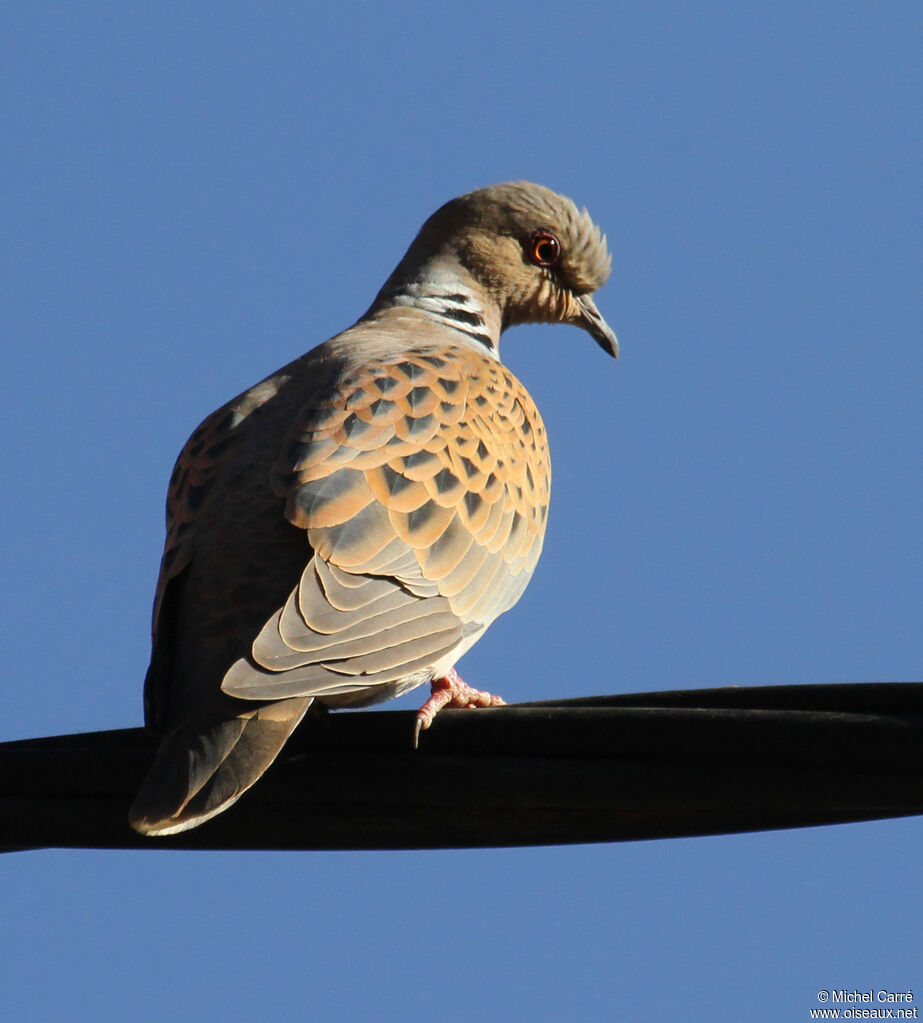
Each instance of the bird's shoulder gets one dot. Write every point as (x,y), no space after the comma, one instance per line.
(424,406)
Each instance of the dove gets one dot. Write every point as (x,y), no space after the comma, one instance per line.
(343,531)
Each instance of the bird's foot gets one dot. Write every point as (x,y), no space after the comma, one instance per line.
(450,691)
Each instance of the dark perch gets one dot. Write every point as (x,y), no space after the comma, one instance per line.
(600,769)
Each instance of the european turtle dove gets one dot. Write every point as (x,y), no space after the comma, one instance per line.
(345,530)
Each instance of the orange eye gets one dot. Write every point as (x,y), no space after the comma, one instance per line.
(543,248)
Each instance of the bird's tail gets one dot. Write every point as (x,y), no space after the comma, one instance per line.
(202,767)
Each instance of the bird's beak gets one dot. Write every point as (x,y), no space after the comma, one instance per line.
(590,318)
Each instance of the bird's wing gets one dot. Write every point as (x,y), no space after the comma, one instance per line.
(213,444)
(422,481)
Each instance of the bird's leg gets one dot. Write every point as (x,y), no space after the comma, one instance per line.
(450,691)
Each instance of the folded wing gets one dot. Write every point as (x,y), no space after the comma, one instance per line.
(423,485)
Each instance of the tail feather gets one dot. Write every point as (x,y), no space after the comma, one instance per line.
(204,766)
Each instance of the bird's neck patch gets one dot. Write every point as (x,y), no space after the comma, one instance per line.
(452,304)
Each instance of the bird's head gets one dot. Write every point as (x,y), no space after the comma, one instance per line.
(531,250)
(529,253)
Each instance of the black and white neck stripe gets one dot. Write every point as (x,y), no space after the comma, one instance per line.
(451,305)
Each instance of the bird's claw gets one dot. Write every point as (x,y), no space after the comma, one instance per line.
(451,691)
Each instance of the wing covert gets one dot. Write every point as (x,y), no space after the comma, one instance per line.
(422,482)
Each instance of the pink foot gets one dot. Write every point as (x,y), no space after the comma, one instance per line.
(450,691)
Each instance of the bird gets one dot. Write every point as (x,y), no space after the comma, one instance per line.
(343,531)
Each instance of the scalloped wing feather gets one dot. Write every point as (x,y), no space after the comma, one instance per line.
(423,485)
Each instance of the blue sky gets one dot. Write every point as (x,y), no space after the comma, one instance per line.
(194,194)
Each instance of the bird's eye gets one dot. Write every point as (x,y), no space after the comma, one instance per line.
(543,249)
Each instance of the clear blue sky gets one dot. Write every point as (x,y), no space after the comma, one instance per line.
(194,194)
